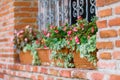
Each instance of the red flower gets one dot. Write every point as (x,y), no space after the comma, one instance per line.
(56,31)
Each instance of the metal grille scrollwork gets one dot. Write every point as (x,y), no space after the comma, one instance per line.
(83,8)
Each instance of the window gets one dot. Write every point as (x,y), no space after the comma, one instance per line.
(58,12)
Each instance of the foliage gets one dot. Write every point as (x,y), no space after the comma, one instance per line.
(26,36)
(67,59)
(77,37)
(28,39)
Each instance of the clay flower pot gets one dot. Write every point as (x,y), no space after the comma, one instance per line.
(25,57)
(44,56)
(83,63)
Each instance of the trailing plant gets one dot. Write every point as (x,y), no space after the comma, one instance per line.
(63,59)
(28,39)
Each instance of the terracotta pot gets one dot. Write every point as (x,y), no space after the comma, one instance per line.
(83,62)
(44,56)
(25,57)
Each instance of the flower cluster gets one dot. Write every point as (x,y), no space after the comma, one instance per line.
(26,36)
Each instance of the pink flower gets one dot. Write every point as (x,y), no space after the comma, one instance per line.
(52,27)
(56,31)
(79,17)
(92,30)
(18,34)
(69,33)
(75,29)
(77,40)
(68,42)
(48,35)
(88,36)
(21,32)
(37,42)
(44,32)
(26,39)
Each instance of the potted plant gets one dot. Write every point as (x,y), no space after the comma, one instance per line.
(75,39)
(83,43)
(27,38)
(55,39)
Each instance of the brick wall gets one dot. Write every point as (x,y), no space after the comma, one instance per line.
(16,14)
(108,38)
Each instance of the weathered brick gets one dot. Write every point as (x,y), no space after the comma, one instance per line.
(100,3)
(105,55)
(44,70)
(28,20)
(97,76)
(110,1)
(40,77)
(102,24)
(116,55)
(104,45)
(53,72)
(105,12)
(79,74)
(117,43)
(65,73)
(22,3)
(114,22)
(117,10)
(108,33)
(114,77)
(106,64)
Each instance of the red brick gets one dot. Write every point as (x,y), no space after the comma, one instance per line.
(35,68)
(28,68)
(33,9)
(108,33)
(79,74)
(119,32)
(104,45)
(102,24)
(100,3)
(40,77)
(114,77)
(50,78)
(116,55)
(22,3)
(114,22)
(97,76)
(65,73)
(1,75)
(44,70)
(110,1)
(117,10)
(106,64)
(53,72)
(22,14)
(105,13)
(105,55)
(28,20)
(117,43)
